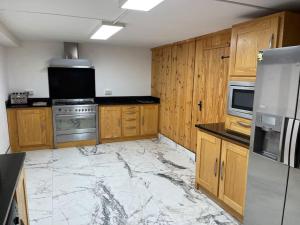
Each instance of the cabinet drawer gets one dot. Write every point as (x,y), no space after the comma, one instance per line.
(130,115)
(130,108)
(238,124)
(130,130)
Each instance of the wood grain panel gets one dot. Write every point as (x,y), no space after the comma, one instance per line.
(30,128)
(21,198)
(233,176)
(208,160)
(110,122)
(149,119)
(210,82)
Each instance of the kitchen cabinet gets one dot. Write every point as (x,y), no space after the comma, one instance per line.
(21,199)
(233,175)
(110,122)
(208,160)
(128,122)
(30,128)
(221,169)
(277,30)
(149,119)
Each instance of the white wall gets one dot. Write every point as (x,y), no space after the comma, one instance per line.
(124,70)
(4,138)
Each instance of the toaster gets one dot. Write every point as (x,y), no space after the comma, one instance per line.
(19,98)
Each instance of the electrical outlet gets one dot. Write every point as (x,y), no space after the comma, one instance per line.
(108,92)
(30,92)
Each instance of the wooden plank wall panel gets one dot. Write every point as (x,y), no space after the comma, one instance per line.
(155,70)
(165,73)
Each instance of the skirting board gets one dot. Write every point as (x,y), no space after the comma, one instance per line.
(181,149)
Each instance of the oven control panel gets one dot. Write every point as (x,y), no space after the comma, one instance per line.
(78,109)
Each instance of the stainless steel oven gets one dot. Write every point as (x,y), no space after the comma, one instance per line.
(240,99)
(75,121)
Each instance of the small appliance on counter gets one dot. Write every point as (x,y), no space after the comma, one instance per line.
(19,98)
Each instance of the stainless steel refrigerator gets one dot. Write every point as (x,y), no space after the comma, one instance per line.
(273,188)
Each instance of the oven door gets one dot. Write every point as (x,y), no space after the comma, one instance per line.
(240,101)
(75,127)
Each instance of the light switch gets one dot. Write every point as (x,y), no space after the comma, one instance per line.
(108,92)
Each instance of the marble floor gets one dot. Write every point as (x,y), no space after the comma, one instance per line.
(132,183)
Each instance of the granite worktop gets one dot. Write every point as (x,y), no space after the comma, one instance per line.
(10,168)
(220,130)
(122,100)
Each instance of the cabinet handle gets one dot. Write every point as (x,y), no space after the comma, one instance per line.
(130,113)
(244,124)
(216,167)
(119,122)
(130,128)
(221,170)
(130,120)
(143,121)
(271,41)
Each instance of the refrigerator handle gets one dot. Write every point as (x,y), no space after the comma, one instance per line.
(294,143)
(287,141)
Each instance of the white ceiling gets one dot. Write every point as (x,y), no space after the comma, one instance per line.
(171,21)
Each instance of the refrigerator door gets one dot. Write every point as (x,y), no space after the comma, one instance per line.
(276,93)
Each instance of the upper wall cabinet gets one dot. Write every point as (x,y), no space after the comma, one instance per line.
(278,30)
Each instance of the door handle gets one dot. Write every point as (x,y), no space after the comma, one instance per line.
(221,170)
(294,143)
(200,106)
(271,41)
(216,167)
(287,142)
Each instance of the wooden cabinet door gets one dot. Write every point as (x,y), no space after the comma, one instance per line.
(208,160)
(149,119)
(247,40)
(110,122)
(233,176)
(21,198)
(32,127)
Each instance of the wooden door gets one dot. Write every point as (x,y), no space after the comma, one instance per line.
(210,84)
(149,119)
(21,198)
(233,176)
(208,160)
(247,40)
(110,122)
(32,127)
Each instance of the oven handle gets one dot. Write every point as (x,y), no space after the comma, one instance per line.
(76,116)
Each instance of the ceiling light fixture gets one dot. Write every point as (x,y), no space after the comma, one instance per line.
(106,30)
(142,5)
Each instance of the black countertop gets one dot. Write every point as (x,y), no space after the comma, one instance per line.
(10,168)
(220,130)
(127,100)
(98,100)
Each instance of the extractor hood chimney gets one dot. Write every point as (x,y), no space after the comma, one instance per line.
(71,58)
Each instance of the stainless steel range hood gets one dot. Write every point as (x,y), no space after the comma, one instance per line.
(71,59)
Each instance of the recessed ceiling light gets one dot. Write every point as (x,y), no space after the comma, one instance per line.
(143,5)
(106,30)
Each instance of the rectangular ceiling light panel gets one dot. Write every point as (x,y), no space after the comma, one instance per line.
(107,30)
(142,5)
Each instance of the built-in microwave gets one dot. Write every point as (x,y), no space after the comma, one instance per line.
(240,98)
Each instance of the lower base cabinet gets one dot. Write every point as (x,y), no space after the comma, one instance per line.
(221,169)
(30,128)
(128,122)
